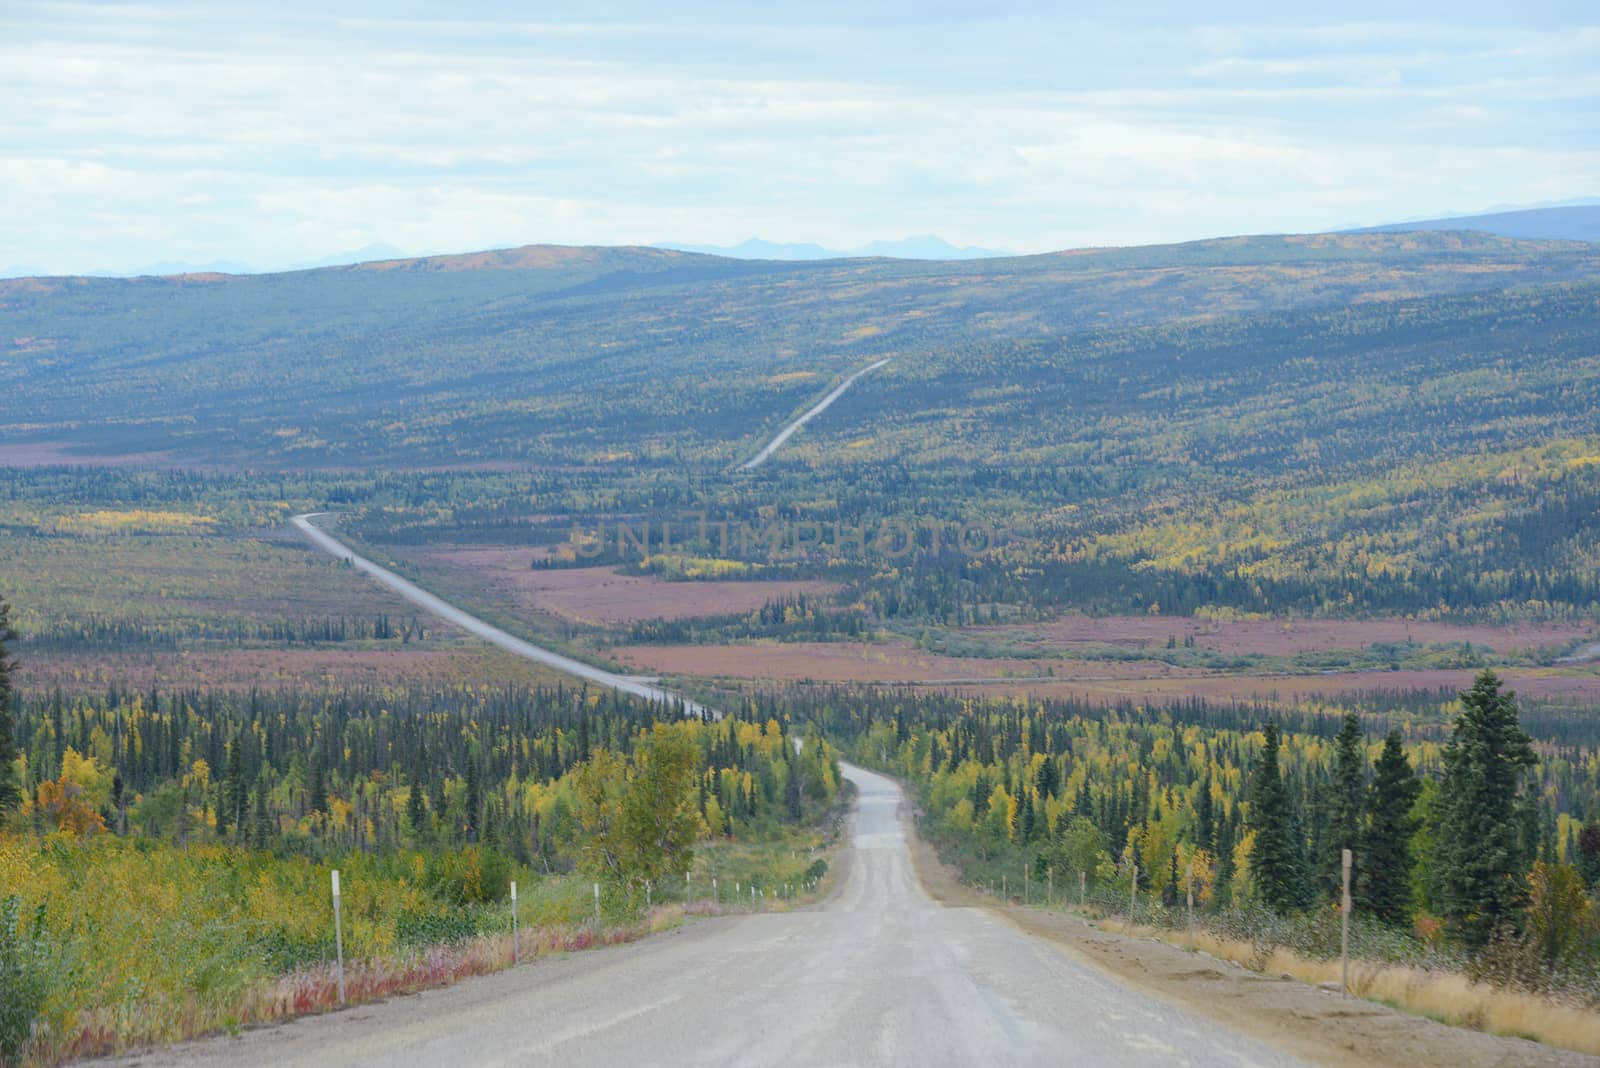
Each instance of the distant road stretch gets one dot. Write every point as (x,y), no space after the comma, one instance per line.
(473,625)
(879,974)
(787,432)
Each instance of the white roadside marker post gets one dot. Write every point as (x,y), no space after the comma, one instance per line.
(688,892)
(338,934)
(647,895)
(597,906)
(716,896)
(516,950)
(1345,859)
(1083,888)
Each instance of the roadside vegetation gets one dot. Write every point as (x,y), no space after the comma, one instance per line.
(165,859)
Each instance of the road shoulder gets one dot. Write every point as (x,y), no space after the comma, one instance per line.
(1304,1021)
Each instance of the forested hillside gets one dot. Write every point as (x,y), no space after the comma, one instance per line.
(550,355)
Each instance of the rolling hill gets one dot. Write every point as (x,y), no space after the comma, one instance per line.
(552,355)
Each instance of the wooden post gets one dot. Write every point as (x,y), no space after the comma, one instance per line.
(1133,896)
(516,950)
(338,934)
(1190,879)
(1083,888)
(1345,859)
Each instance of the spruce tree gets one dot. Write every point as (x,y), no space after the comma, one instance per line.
(1480,856)
(318,801)
(1384,888)
(1222,892)
(233,792)
(474,799)
(416,811)
(263,820)
(1275,858)
(10,789)
(1204,815)
(1588,852)
(1347,803)
(791,793)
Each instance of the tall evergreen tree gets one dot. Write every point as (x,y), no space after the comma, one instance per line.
(474,799)
(264,825)
(1275,858)
(10,789)
(1588,853)
(1479,853)
(416,811)
(1347,804)
(1205,817)
(318,801)
(791,792)
(1384,887)
(1224,842)
(233,793)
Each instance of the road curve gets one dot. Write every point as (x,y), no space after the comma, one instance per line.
(473,625)
(787,432)
(879,974)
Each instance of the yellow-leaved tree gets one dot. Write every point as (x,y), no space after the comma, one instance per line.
(639,814)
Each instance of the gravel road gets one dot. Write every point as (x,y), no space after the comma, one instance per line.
(473,625)
(817,409)
(878,974)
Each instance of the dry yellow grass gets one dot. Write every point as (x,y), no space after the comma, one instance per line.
(1446,996)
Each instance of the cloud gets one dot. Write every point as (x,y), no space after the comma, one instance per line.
(277,134)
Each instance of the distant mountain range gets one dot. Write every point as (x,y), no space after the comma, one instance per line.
(927,247)
(1569,221)
(1574,222)
(365,254)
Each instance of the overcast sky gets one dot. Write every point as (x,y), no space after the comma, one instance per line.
(277,133)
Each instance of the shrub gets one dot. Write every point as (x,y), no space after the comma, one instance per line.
(24,977)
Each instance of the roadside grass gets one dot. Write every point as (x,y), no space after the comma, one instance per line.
(791,868)
(1429,989)
(1446,996)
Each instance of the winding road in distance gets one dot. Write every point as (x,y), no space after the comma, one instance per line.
(817,409)
(473,625)
(879,973)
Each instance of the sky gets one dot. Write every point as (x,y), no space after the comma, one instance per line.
(279,133)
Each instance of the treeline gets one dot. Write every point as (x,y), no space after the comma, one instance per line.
(955,589)
(98,632)
(373,770)
(1470,827)
(795,618)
